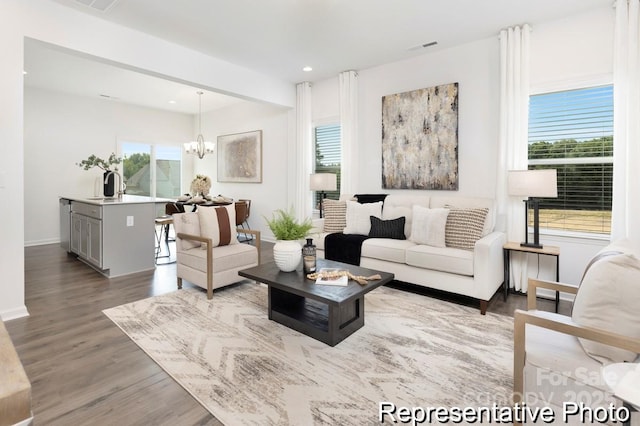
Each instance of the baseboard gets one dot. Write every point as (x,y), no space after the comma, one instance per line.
(14,313)
(33,243)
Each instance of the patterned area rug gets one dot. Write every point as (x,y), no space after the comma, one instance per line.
(413,351)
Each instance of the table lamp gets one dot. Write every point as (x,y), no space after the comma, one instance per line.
(532,184)
(322,182)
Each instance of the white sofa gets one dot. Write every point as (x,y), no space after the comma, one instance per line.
(476,273)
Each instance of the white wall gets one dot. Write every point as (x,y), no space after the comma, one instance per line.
(272,193)
(60,130)
(62,26)
(474,66)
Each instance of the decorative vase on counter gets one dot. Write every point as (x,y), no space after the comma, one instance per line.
(109,180)
(287,254)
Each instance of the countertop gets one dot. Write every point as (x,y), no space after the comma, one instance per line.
(126,199)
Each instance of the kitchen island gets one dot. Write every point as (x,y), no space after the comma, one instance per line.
(113,235)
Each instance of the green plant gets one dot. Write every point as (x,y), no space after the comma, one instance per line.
(284,225)
(105,165)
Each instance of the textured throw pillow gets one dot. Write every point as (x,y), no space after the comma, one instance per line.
(609,299)
(464,227)
(358,217)
(187,223)
(335,215)
(219,224)
(370,198)
(428,226)
(393,228)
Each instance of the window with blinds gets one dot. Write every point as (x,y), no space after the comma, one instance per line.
(328,154)
(572,131)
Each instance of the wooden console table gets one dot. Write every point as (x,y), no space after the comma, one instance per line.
(545,250)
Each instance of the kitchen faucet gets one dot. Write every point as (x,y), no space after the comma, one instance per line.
(121,185)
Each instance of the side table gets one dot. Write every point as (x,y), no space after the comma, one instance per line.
(545,250)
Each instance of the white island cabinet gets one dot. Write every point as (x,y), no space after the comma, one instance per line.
(114,236)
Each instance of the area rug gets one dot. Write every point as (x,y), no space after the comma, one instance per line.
(413,351)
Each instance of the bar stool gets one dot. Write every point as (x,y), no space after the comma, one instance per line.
(165,223)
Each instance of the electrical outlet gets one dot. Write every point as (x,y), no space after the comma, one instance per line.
(129,220)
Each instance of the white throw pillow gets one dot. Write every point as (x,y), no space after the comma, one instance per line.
(609,299)
(219,224)
(428,226)
(358,217)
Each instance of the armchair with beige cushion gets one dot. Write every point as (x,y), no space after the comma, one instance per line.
(208,252)
(559,360)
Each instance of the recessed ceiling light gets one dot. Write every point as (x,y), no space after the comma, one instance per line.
(307,69)
(172,102)
(24,73)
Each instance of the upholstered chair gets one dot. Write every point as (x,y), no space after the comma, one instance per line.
(208,252)
(559,359)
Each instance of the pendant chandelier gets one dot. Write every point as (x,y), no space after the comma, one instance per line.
(199,147)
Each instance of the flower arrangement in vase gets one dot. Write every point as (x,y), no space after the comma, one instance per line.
(200,185)
(108,175)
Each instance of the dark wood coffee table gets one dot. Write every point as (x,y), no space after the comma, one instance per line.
(327,313)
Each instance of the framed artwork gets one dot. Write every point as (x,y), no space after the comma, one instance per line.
(240,157)
(420,139)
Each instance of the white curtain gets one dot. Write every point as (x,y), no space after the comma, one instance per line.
(626,122)
(349,131)
(514,111)
(303,151)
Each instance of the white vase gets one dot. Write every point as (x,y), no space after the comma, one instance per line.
(287,255)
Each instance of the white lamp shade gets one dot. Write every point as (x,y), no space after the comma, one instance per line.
(323,182)
(533,183)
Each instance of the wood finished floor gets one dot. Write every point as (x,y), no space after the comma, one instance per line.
(85,371)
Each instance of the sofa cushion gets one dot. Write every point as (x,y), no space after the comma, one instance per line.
(219,224)
(386,249)
(359,217)
(393,228)
(224,257)
(402,205)
(335,215)
(186,223)
(464,227)
(428,226)
(455,261)
(609,299)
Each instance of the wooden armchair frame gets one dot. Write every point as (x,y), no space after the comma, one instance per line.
(210,249)
(556,322)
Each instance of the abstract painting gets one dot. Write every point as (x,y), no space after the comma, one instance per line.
(420,139)
(240,157)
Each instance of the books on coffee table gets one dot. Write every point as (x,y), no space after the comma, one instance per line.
(332,276)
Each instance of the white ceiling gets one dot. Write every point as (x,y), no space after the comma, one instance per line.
(279,37)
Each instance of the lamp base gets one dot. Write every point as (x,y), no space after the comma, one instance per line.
(531,245)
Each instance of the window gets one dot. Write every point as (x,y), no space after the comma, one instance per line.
(328,154)
(152,170)
(572,131)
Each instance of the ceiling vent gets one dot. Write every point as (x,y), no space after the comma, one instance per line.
(423,46)
(101,5)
